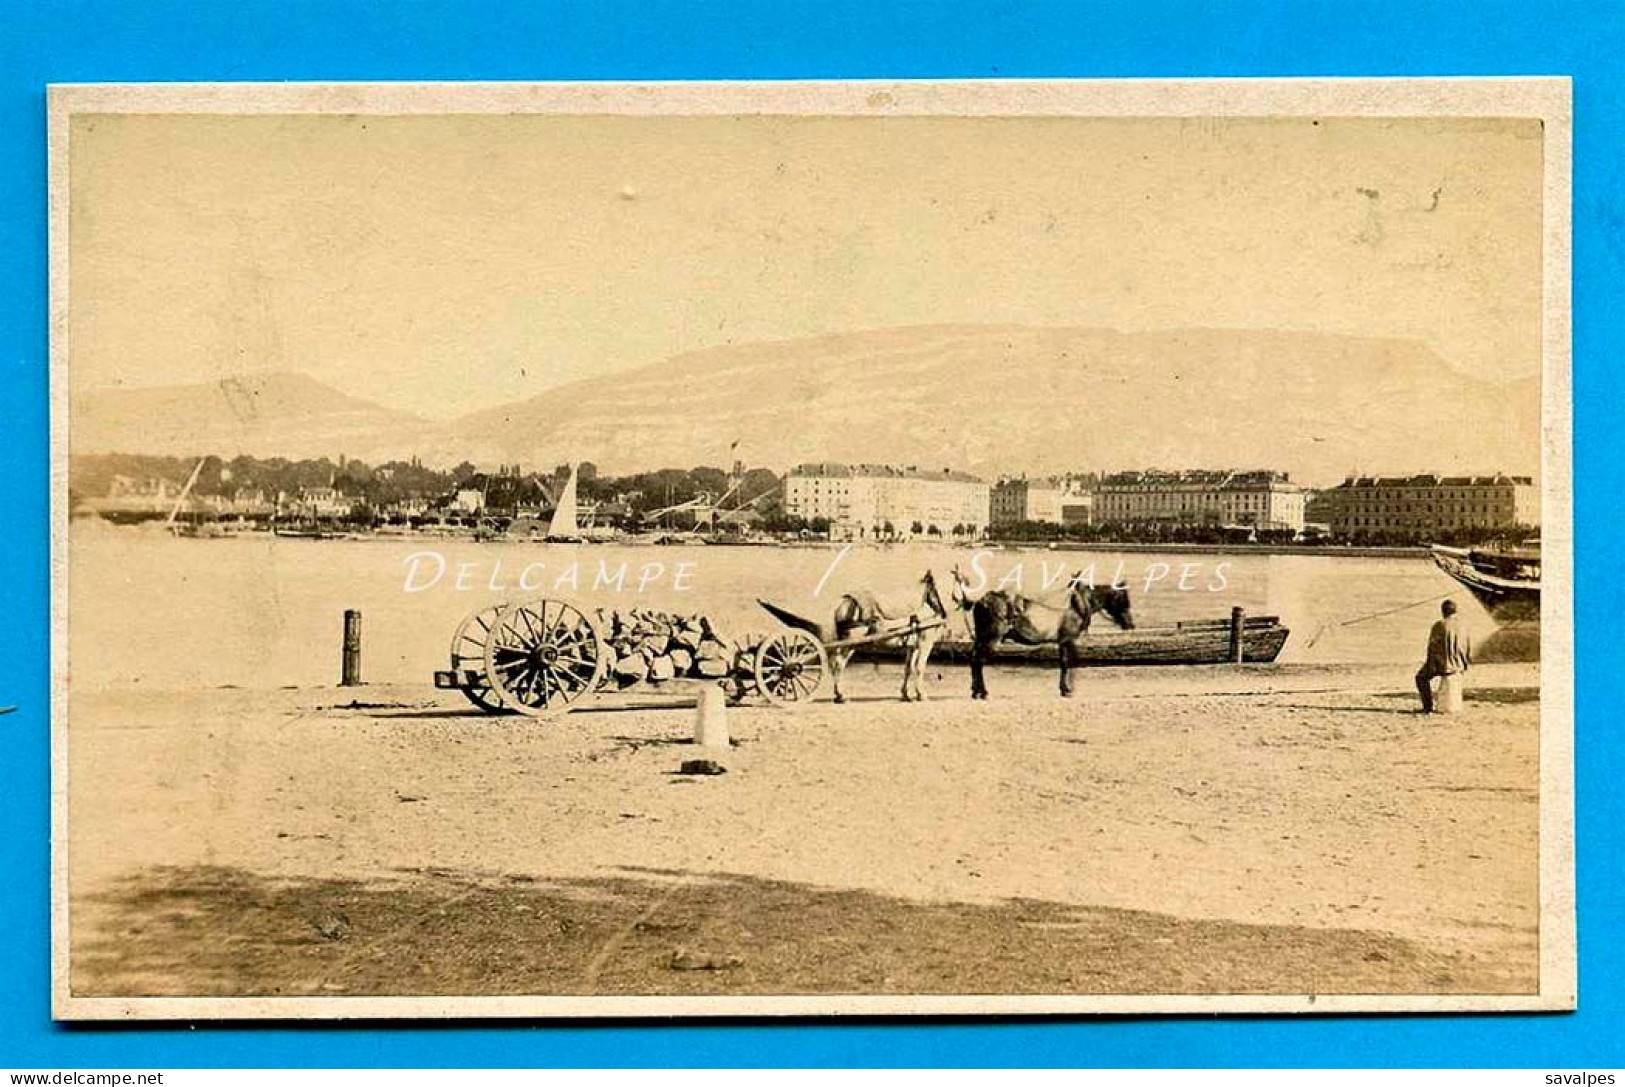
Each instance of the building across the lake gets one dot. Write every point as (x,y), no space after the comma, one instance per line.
(879,501)
(1427,504)
(1078,508)
(1012,501)
(320,503)
(1257,499)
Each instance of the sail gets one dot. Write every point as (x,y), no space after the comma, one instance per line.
(564,514)
(186,491)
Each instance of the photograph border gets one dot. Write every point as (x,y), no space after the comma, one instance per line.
(1547,99)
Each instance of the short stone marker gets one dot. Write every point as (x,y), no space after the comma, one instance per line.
(711,719)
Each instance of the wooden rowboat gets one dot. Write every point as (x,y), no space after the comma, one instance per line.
(1202,641)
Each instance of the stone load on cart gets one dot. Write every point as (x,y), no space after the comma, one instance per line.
(544,657)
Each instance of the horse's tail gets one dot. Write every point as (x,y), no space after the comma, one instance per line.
(799,622)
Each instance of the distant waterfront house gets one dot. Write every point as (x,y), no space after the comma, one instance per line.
(468,500)
(249,502)
(1428,504)
(1078,508)
(1012,501)
(878,501)
(130,500)
(1256,498)
(151,487)
(322,503)
(416,506)
(508,492)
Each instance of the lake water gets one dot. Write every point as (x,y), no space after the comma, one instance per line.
(163,613)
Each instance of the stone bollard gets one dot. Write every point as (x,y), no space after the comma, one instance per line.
(711,719)
(1449,698)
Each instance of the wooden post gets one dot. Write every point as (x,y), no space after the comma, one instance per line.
(1238,619)
(352,649)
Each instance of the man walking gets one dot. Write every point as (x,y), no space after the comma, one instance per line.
(1450,652)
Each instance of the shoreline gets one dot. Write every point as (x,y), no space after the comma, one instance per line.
(632,540)
(1169,826)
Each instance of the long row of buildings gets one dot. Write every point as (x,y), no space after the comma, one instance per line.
(871,501)
(1426,503)
(868,501)
(878,501)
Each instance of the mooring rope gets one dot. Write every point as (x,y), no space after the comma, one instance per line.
(1329,624)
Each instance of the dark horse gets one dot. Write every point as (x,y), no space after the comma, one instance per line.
(999,616)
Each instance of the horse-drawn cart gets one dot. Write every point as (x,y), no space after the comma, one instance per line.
(545,657)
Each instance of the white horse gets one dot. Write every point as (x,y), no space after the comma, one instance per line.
(916,624)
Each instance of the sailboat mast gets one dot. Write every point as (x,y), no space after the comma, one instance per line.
(186,490)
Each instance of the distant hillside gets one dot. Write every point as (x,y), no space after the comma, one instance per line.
(289,415)
(989,399)
(1010,399)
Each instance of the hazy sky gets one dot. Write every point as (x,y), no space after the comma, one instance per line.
(444,264)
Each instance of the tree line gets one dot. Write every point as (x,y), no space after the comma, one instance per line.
(395,481)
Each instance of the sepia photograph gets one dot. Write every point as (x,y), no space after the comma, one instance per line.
(717,549)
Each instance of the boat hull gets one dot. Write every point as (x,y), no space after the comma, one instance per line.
(1507,600)
(1205,642)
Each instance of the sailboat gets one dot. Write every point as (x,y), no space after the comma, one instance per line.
(563,528)
(196,526)
(1505,579)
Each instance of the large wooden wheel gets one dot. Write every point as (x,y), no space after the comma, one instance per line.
(468,644)
(789,668)
(545,656)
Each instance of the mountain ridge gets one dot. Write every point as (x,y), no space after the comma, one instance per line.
(985,398)
(992,399)
(286,413)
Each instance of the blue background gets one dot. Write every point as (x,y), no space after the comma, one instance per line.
(646,39)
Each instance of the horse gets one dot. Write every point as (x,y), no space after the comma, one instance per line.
(999,615)
(863,614)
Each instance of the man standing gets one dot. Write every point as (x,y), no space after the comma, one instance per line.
(1450,652)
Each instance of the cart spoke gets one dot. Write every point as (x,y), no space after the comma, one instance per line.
(545,684)
(534,695)
(562,627)
(581,668)
(567,678)
(568,681)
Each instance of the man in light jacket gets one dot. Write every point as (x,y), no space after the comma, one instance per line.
(1450,652)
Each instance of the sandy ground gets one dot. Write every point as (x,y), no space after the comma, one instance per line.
(1272,828)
